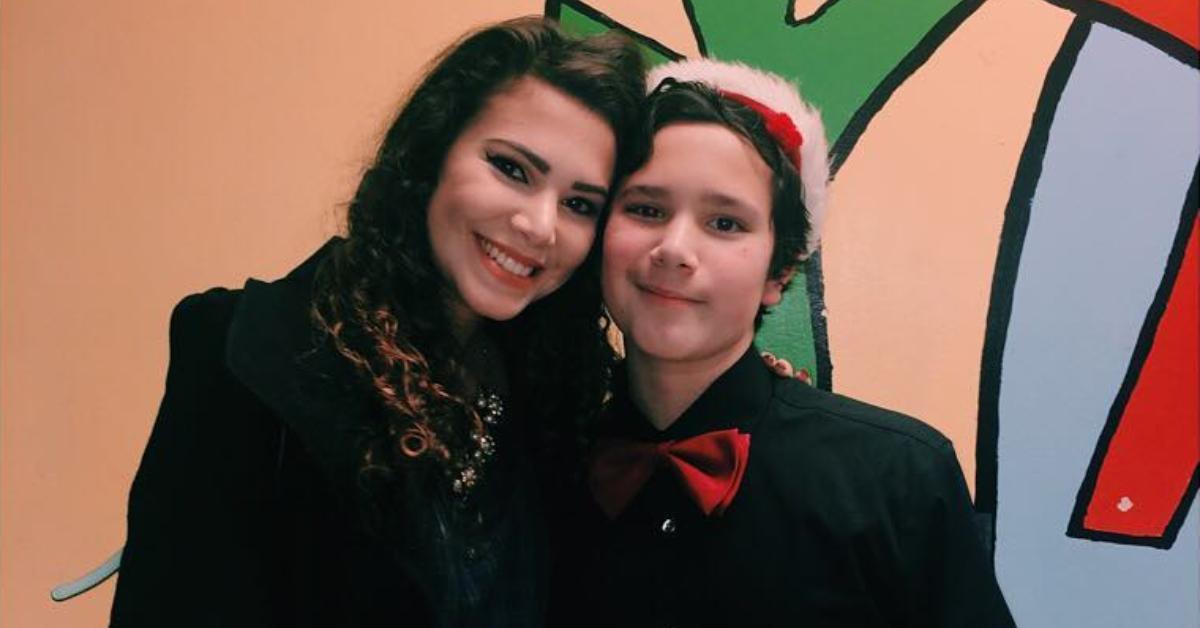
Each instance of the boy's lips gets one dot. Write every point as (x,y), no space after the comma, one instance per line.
(666,293)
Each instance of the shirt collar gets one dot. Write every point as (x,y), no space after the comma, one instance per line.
(738,398)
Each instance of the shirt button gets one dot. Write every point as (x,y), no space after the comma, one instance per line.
(668,526)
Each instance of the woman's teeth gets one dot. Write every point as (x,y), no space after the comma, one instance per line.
(505,262)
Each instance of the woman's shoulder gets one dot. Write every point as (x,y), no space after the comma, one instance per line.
(204,314)
(214,320)
(230,331)
(198,332)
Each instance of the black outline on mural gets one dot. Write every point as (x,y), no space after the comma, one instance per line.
(816,15)
(815,284)
(697,32)
(553,9)
(1141,351)
(908,65)
(1008,261)
(1113,17)
(844,144)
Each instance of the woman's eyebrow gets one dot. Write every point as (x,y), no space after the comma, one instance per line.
(528,153)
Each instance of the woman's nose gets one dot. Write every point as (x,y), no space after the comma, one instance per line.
(535,221)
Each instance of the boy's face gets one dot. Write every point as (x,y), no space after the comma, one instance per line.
(688,246)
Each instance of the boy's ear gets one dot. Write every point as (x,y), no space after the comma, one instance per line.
(773,289)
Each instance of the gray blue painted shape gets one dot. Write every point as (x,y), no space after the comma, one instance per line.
(1122,150)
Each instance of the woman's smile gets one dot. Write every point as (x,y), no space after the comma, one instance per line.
(506,264)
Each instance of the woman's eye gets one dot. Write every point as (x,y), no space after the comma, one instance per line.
(508,168)
(582,206)
(726,224)
(648,212)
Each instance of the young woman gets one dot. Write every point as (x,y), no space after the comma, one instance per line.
(359,443)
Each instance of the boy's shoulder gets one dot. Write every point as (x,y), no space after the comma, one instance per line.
(801,411)
(836,454)
(797,404)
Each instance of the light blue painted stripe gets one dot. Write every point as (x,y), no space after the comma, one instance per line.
(89,580)
(1121,153)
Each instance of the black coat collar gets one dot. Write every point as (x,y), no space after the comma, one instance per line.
(275,350)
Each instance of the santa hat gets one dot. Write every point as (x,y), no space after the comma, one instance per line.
(795,125)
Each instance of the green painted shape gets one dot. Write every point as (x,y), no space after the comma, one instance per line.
(787,331)
(577,23)
(856,43)
(837,60)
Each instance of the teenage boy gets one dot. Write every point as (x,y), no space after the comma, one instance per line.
(725,495)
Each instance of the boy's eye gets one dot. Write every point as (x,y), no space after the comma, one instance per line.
(582,206)
(647,212)
(726,224)
(508,167)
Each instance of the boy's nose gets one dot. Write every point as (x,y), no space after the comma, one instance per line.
(676,248)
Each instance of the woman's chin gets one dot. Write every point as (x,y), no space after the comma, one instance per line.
(497,308)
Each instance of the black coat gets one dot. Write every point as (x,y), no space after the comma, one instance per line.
(848,515)
(245,509)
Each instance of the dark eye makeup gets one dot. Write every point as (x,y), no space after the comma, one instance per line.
(508,167)
(582,206)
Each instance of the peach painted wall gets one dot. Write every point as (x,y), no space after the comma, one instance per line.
(152,148)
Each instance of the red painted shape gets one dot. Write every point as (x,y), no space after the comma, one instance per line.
(1180,18)
(1156,446)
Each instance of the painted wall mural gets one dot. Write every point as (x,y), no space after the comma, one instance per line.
(1012,256)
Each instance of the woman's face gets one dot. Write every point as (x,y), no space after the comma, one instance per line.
(517,201)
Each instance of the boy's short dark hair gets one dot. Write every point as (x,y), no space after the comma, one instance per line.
(689,101)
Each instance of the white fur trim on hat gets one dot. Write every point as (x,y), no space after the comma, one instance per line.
(783,96)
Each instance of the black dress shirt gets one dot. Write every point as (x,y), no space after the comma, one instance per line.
(848,515)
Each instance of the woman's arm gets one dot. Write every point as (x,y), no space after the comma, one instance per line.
(197,549)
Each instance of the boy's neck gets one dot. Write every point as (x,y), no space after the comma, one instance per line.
(663,389)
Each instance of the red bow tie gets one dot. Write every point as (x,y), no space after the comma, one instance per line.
(710,466)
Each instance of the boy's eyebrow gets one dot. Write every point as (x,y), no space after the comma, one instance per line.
(528,153)
(651,191)
(708,197)
(724,200)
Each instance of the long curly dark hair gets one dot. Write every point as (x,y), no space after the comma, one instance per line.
(379,296)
